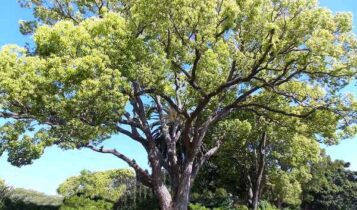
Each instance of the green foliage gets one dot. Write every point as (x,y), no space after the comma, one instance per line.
(82,202)
(219,198)
(112,189)
(230,71)
(88,57)
(22,199)
(265,205)
(109,185)
(332,186)
(4,192)
(109,189)
(197,207)
(242,207)
(289,151)
(285,187)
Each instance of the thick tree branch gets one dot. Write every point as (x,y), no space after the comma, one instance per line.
(141,174)
(170,143)
(195,65)
(134,135)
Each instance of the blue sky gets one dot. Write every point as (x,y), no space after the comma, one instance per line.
(46,173)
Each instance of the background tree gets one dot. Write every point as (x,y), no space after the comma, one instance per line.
(88,78)
(333,186)
(112,189)
(4,192)
(263,164)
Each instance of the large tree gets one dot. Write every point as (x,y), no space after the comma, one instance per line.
(103,67)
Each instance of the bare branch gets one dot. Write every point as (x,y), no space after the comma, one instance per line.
(67,13)
(191,82)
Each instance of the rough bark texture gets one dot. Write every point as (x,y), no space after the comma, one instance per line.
(164,197)
(182,197)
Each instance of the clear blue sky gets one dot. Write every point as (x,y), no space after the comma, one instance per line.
(46,173)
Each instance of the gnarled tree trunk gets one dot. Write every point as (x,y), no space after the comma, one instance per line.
(164,197)
(182,195)
(180,200)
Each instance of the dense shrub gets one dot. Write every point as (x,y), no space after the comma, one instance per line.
(198,206)
(265,205)
(81,202)
(214,199)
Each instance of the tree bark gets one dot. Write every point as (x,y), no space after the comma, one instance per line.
(250,191)
(182,194)
(164,197)
(260,172)
(182,197)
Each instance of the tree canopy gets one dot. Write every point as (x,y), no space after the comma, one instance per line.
(333,186)
(108,67)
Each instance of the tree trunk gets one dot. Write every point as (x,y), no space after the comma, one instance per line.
(181,202)
(164,197)
(261,168)
(181,205)
(182,198)
(250,191)
(161,191)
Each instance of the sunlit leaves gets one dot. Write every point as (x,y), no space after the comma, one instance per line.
(108,185)
(89,56)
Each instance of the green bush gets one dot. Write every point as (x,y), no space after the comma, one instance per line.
(197,206)
(217,199)
(241,207)
(265,205)
(83,203)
